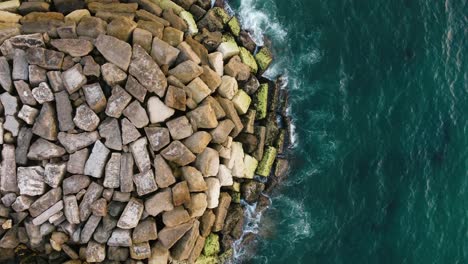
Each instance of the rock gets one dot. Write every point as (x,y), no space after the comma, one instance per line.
(175,217)
(225,176)
(109,129)
(121,28)
(168,236)
(73,78)
(197,205)
(22,203)
(112,74)
(10,103)
(23,141)
(120,238)
(145,182)
(58,239)
(203,117)
(12,125)
(228,49)
(187,53)
(210,78)
(95,252)
(140,251)
(145,231)
(95,97)
(235,68)
(42,93)
(126,172)
(232,114)
(251,190)
(154,27)
(89,228)
(164,176)
(114,50)
(264,58)
(20,67)
(163,53)
(178,153)
(180,194)
(68,31)
(236,161)
(212,246)
(129,132)
(121,196)
(198,90)
(112,171)
(91,27)
(212,192)
(179,128)
(54,173)
(71,210)
(173,36)
(117,102)
(117,253)
(147,72)
(198,141)
(8,199)
(222,131)
(77,161)
(221,211)
(144,38)
(31,180)
(241,102)
(92,194)
(40,219)
(64,116)
(42,149)
(91,68)
(186,71)
(137,114)
(75,142)
(182,249)
(131,214)
(73,47)
(207,162)
(5,75)
(140,154)
(158,111)
(135,89)
(158,137)
(197,249)
(104,230)
(176,21)
(160,202)
(228,88)
(159,254)
(97,160)
(99,208)
(249,121)
(85,118)
(55,81)
(45,202)
(24,92)
(75,183)
(265,165)
(47,59)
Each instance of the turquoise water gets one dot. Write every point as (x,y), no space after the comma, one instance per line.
(379,97)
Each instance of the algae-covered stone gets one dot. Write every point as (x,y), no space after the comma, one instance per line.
(265,165)
(234,26)
(264,58)
(168,4)
(261,101)
(212,246)
(241,102)
(192,25)
(248,59)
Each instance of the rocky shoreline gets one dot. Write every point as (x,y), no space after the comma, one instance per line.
(130,131)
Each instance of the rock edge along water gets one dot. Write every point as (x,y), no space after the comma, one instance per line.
(65,56)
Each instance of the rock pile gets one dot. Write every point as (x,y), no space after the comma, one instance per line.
(130,131)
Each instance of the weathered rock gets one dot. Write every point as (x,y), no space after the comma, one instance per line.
(95,252)
(164,176)
(42,149)
(235,68)
(91,68)
(112,74)
(154,27)
(186,71)
(43,217)
(228,87)
(131,214)
(197,142)
(77,161)
(180,194)
(241,102)
(91,27)
(42,93)
(9,103)
(5,75)
(37,75)
(175,98)
(47,59)
(213,192)
(73,78)
(160,202)
(203,117)
(112,171)
(175,217)
(64,116)
(24,92)
(207,162)
(158,111)
(73,47)
(187,53)
(20,67)
(71,210)
(31,180)
(89,228)
(225,176)
(75,142)
(22,203)
(126,173)
(117,253)
(8,199)
(145,182)
(140,154)
(168,236)
(54,173)
(136,114)
(228,49)
(104,230)
(75,183)
(129,132)
(85,118)
(95,97)
(142,37)
(45,202)
(97,160)
(194,179)
(198,90)
(147,72)
(163,53)
(120,238)
(117,102)
(221,211)
(251,190)
(178,153)
(221,133)
(8,181)
(109,129)
(135,89)
(23,141)
(140,251)
(67,31)
(179,128)
(99,208)
(145,231)
(182,249)
(92,194)
(266,163)
(121,28)
(231,113)
(114,50)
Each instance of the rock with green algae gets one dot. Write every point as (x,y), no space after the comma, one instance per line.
(241,102)
(261,101)
(207,260)
(168,4)
(212,246)
(234,26)
(264,58)
(221,13)
(192,25)
(228,37)
(248,59)
(236,197)
(265,165)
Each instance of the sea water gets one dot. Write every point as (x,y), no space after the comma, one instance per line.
(379,100)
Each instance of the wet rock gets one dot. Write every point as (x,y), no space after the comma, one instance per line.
(212,192)
(75,142)
(95,97)
(64,116)
(126,172)
(117,102)
(85,118)
(24,93)
(89,228)
(73,78)
(186,71)
(158,111)
(95,252)
(145,231)
(73,47)
(178,153)
(198,141)
(160,202)
(42,149)
(112,74)
(45,202)
(114,50)
(251,190)
(134,88)
(47,59)
(137,114)
(31,180)
(131,214)
(163,53)
(71,210)
(142,37)
(129,132)
(120,238)
(147,72)
(168,236)
(97,160)
(145,182)
(179,128)
(75,183)
(92,194)
(203,117)
(109,129)
(112,171)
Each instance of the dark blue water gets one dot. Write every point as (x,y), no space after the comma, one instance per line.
(379,97)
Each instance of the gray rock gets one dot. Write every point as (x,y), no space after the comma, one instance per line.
(114,50)
(126,173)
(67,31)
(95,97)
(91,27)
(135,89)
(73,47)
(28,114)
(46,124)
(42,93)
(42,149)
(24,93)
(145,182)
(121,196)
(145,231)
(147,72)
(36,75)
(178,153)
(168,236)
(85,118)
(77,161)
(109,129)
(142,37)
(23,142)
(10,103)
(40,219)
(129,132)
(8,199)
(91,68)
(54,173)
(31,180)
(92,194)
(12,125)
(112,172)
(75,183)
(136,114)
(112,74)
(97,160)
(64,116)
(131,214)
(180,128)
(47,59)
(140,251)
(73,78)
(75,142)
(117,253)
(194,179)
(160,202)
(104,230)
(117,102)
(120,238)
(140,154)
(95,252)
(55,81)
(89,228)
(5,75)
(164,176)
(22,203)
(45,202)
(72,213)
(20,66)
(163,53)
